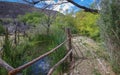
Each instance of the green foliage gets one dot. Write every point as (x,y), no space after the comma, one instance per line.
(59,54)
(96,72)
(86,24)
(65,21)
(38,43)
(56,37)
(7,47)
(32,47)
(82,23)
(2,30)
(3,71)
(110,30)
(32,18)
(38,20)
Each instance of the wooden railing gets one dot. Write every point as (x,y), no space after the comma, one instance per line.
(15,71)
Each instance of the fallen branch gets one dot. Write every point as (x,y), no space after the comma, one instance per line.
(6,65)
(56,65)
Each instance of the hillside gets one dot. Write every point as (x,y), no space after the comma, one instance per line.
(12,9)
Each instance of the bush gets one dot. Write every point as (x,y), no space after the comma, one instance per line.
(110,30)
(86,24)
(65,21)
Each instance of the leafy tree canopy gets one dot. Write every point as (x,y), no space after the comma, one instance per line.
(86,23)
(32,18)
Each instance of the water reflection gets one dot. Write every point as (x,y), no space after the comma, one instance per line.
(41,67)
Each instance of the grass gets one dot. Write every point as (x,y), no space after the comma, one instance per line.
(33,46)
(96,72)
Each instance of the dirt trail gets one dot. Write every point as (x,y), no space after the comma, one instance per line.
(86,61)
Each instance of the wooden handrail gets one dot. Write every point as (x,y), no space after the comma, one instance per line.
(15,71)
(5,65)
(68,31)
(56,65)
(69,36)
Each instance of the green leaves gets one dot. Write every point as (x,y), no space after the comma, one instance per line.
(65,21)
(32,18)
(110,30)
(86,23)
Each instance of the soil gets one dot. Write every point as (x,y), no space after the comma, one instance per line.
(86,61)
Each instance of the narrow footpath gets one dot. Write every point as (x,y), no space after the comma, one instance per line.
(87,62)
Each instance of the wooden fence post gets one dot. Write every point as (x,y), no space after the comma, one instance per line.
(69,42)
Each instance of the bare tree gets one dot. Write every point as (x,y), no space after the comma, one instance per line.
(48,20)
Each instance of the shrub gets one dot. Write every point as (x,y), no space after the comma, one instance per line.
(86,24)
(110,30)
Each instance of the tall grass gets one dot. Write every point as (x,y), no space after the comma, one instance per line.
(58,36)
(110,30)
(33,46)
(55,37)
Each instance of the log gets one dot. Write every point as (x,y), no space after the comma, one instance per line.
(6,65)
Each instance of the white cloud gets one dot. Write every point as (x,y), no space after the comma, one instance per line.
(61,7)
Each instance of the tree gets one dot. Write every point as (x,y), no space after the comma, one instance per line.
(65,21)
(48,20)
(86,23)
(39,19)
(110,30)
(32,18)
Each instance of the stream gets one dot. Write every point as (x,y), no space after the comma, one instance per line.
(41,67)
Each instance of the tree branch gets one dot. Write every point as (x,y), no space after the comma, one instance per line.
(86,9)
(5,65)
(83,7)
(54,4)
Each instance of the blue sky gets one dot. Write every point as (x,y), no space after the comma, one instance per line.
(71,7)
(62,8)
(86,3)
